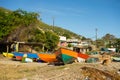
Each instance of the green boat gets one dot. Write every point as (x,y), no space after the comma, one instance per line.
(65,56)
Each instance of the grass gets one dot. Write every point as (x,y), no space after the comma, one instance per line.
(10,72)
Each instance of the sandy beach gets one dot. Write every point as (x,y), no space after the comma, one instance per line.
(16,70)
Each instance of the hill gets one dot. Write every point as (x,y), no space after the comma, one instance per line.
(20,25)
(13,21)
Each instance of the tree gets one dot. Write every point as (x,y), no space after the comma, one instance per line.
(26,17)
(70,45)
(51,41)
(100,43)
(66,35)
(108,39)
(48,39)
(10,20)
(83,38)
(117,44)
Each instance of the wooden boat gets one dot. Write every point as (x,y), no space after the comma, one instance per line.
(65,55)
(18,58)
(47,57)
(32,55)
(18,55)
(116,59)
(9,55)
(82,57)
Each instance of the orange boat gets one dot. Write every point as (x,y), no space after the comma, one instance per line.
(84,56)
(66,55)
(47,57)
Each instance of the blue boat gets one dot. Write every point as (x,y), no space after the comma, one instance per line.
(32,55)
(18,54)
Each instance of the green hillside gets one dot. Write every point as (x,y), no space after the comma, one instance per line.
(20,25)
(58,30)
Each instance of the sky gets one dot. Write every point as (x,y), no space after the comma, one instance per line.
(82,17)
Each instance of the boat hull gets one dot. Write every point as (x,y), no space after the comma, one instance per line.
(47,57)
(65,55)
(9,55)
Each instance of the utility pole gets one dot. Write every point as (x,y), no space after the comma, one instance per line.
(96,30)
(53,22)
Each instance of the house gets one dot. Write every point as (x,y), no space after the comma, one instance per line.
(62,41)
(82,47)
